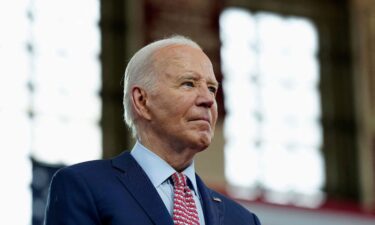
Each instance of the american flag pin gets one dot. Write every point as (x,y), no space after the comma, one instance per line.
(216,199)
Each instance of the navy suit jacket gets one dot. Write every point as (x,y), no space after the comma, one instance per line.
(118,192)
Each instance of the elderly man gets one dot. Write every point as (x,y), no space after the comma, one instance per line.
(169,102)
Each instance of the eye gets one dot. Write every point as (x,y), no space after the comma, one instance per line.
(188,84)
(212,89)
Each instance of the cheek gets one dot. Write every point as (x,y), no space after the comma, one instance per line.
(181,106)
(176,112)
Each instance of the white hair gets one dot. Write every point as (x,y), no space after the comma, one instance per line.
(139,71)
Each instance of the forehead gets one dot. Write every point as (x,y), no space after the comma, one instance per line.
(180,59)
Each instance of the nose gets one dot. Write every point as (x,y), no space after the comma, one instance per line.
(205,97)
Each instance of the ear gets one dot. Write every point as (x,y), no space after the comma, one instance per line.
(139,99)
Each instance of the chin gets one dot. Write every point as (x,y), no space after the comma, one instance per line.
(203,142)
(198,140)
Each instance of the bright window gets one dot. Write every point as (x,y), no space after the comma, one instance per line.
(49,85)
(272,126)
(66,80)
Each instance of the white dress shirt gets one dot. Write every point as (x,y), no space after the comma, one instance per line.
(159,171)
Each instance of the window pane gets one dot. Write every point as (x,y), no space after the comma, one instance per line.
(14,121)
(66,79)
(273,128)
(49,85)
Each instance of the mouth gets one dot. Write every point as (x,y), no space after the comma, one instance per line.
(202,119)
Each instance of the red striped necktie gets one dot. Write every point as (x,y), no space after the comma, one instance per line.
(184,208)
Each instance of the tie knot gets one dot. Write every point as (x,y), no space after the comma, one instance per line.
(179,179)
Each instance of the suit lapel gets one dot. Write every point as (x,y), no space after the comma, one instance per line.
(138,184)
(212,205)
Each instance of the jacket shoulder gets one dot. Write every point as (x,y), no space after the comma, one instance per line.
(234,211)
(89,170)
(87,166)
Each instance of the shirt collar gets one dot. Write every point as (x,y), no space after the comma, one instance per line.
(156,168)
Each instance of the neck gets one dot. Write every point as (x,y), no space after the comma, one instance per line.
(176,155)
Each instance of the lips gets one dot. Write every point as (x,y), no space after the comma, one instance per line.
(206,119)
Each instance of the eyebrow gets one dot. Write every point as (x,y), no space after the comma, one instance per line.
(194,76)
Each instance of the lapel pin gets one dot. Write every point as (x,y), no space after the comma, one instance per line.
(216,199)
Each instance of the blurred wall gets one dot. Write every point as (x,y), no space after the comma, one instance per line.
(363,35)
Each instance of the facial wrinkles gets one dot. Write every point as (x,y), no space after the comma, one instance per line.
(200,72)
(174,65)
(173,105)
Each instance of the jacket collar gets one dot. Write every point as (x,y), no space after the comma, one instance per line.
(139,185)
(213,207)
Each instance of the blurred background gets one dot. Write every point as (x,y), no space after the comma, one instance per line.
(295,140)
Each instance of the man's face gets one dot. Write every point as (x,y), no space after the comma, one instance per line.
(183,107)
